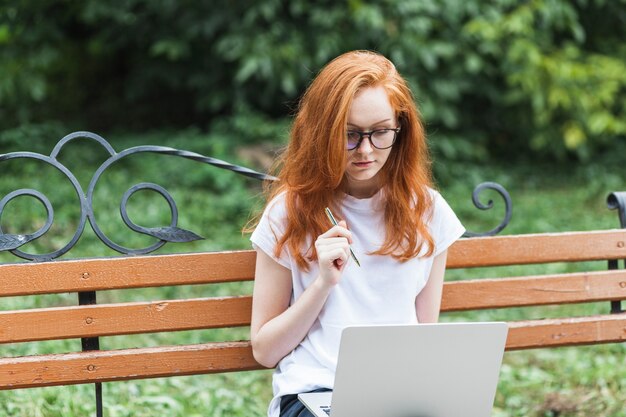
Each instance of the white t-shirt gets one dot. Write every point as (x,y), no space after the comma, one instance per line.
(381,291)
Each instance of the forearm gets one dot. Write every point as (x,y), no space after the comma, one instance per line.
(428,301)
(282,334)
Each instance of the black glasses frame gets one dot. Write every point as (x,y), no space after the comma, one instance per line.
(369,134)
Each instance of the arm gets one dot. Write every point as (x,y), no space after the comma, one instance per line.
(277,328)
(428,301)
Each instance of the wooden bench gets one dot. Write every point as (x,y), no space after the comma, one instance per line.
(592,283)
(162,315)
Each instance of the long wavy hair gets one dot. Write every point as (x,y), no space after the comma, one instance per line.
(311,169)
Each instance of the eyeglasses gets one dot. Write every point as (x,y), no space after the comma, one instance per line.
(379,138)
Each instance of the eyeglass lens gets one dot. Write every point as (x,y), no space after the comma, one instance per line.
(380,138)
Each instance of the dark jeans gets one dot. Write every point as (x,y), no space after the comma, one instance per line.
(290,406)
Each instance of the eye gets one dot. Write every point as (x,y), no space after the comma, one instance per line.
(352,135)
(381,133)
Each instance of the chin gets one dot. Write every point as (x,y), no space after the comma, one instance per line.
(361,176)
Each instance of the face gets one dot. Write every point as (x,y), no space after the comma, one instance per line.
(370,110)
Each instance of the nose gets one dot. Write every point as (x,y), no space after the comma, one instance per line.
(366,144)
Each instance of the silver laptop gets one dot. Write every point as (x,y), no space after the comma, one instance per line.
(422,370)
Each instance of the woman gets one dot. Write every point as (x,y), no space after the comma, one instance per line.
(357,146)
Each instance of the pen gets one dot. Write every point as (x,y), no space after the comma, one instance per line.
(334,222)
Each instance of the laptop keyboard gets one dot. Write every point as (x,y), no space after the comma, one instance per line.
(326,409)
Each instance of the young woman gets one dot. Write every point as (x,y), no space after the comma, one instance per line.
(358,147)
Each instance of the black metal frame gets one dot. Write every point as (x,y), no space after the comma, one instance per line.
(617,201)
(508,207)
(172,233)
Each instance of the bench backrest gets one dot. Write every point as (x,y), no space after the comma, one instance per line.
(89,321)
(164,315)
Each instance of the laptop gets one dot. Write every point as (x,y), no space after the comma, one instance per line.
(421,370)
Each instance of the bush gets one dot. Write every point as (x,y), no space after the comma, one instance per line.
(501,78)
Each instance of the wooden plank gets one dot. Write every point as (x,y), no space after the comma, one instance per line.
(566,332)
(199,268)
(118,365)
(124,318)
(534,290)
(126,272)
(538,248)
(102,366)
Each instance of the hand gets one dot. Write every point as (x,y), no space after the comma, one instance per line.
(333,251)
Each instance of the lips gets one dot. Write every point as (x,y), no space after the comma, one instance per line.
(363,164)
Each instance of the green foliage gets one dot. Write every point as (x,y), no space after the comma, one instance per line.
(37,136)
(572,86)
(501,78)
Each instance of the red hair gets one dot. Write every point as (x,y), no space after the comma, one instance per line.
(311,169)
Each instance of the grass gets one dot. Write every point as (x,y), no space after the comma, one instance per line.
(564,382)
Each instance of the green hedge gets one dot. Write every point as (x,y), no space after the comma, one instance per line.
(504,77)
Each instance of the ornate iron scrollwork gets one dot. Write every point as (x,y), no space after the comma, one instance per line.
(9,241)
(508,207)
(617,200)
(171,233)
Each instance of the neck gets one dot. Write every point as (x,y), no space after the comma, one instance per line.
(361,189)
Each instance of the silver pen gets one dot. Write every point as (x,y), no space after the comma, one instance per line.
(334,222)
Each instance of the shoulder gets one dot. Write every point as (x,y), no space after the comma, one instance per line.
(429,197)
(439,205)
(432,194)
(277,206)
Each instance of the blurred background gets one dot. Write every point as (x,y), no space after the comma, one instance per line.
(538,80)
(531,94)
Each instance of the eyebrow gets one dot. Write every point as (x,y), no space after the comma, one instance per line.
(373,124)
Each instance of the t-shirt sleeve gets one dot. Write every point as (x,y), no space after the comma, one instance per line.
(446,228)
(270,229)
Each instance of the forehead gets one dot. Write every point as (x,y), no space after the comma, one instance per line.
(370,106)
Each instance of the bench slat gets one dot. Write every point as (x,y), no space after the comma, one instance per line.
(537,248)
(174,315)
(126,272)
(118,365)
(179,269)
(213,267)
(124,318)
(534,290)
(566,332)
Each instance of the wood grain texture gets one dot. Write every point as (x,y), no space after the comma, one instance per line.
(126,272)
(216,267)
(124,318)
(566,332)
(537,248)
(534,290)
(118,365)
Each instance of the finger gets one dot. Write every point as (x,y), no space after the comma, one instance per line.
(331,256)
(325,251)
(339,263)
(331,241)
(343,224)
(337,231)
